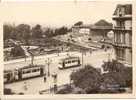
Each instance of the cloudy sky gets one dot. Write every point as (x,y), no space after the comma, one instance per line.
(58,13)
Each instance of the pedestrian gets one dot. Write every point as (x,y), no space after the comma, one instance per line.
(44,78)
(25,86)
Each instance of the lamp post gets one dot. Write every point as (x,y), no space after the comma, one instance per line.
(54,75)
(82,54)
(48,62)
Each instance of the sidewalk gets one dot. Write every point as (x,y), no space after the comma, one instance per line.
(35,85)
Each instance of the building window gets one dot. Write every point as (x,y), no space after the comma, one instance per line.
(118,37)
(123,38)
(120,54)
(130,39)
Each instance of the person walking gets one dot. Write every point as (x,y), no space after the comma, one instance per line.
(44,79)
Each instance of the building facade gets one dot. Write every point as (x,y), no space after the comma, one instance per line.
(123,33)
(100,30)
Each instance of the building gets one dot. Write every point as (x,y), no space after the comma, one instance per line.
(123,33)
(81,29)
(100,30)
(96,32)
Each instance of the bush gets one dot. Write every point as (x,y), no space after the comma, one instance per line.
(87,78)
(65,90)
(117,73)
(17,51)
(8,91)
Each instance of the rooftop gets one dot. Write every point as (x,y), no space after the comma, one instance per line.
(125,8)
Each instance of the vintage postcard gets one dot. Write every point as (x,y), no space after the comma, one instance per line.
(64,47)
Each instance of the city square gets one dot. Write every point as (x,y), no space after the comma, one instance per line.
(78,58)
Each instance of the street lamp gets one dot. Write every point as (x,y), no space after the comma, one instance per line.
(82,57)
(54,75)
(48,62)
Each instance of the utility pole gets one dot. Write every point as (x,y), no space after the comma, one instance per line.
(82,57)
(48,62)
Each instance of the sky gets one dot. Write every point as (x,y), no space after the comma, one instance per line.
(61,13)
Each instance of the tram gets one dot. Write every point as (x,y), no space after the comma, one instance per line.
(23,73)
(69,62)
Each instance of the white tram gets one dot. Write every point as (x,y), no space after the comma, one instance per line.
(23,73)
(69,62)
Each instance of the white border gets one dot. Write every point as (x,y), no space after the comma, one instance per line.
(83,96)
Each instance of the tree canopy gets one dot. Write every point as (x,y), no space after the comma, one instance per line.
(87,78)
(78,23)
(92,80)
(25,31)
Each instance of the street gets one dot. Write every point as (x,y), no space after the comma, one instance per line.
(34,85)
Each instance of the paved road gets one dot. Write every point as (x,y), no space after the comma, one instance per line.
(37,84)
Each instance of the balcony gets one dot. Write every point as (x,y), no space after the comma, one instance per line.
(119,17)
(119,28)
(122,28)
(122,45)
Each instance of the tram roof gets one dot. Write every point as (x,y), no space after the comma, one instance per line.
(21,67)
(71,57)
(31,66)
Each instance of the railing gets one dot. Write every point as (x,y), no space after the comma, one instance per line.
(101,27)
(122,44)
(119,27)
(122,16)
(122,28)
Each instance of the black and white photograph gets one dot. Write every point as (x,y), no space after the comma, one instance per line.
(67,48)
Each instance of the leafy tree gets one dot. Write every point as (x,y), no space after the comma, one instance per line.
(9,31)
(87,78)
(61,31)
(23,32)
(8,91)
(66,90)
(78,23)
(117,73)
(17,51)
(49,32)
(37,31)
(113,66)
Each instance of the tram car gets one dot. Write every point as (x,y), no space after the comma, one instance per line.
(23,73)
(69,62)
(8,76)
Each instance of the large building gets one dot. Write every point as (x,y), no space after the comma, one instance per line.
(100,30)
(96,32)
(123,33)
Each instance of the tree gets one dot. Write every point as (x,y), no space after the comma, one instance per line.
(37,31)
(117,72)
(23,32)
(61,31)
(49,32)
(113,66)
(8,91)
(8,31)
(17,51)
(78,23)
(87,78)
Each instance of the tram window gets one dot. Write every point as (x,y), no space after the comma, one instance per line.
(24,72)
(28,71)
(69,61)
(35,70)
(73,61)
